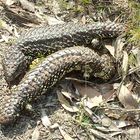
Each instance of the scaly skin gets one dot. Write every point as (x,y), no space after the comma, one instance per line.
(48,39)
(48,73)
(4,89)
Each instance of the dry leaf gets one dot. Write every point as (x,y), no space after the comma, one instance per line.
(9,2)
(92,102)
(138,57)
(6,26)
(125,63)
(116,133)
(64,102)
(92,97)
(27,5)
(5,38)
(64,134)
(83,20)
(126,98)
(69,91)
(56,7)
(134,133)
(111,49)
(121,123)
(87,91)
(54,126)
(111,128)
(107,91)
(45,119)
(106,121)
(101,135)
(35,134)
(105,88)
(53,21)
(21,16)
(113,113)
(67,94)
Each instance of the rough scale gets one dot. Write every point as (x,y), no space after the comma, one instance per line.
(48,39)
(48,73)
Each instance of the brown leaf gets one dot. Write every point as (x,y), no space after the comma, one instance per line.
(69,91)
(107,91)
(113,113)
(20,16)
(95,95)
(105,88)
(88,91)
(126,98)
(65,103)
(92,96)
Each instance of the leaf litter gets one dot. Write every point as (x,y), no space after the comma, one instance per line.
(110,110)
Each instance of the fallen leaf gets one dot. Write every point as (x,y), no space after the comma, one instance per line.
(108,129)
(35,134)
(45,119)
(92,96)
(105,88)
(65,135)
(138,57)
(20,16)
(93,117)
(69,91)
(126,98)
(67,94)
(111,49)
(83,20)
(87,91)
(116,133)
(65,103)
(5,38)
(122,123)
(54,126)
(53,21)
(56,7)
(101,135)
(106,121)
(134,133)
(124,64)
(27,5)
(6,26)
(92,102)
(118,45)
(107,91)
(113,113)
(9,2)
